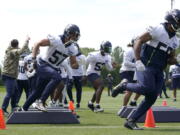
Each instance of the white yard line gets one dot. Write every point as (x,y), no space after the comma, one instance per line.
(81,127)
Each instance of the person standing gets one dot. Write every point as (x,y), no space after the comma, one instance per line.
(109,80)
(10,71)
(77,77)
(154,49)
(174,70)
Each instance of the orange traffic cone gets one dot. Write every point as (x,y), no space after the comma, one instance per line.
(164,103)
(150,122)
(71,106)
(2,123)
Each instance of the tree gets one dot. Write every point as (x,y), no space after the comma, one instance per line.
(117,54)
(87,50)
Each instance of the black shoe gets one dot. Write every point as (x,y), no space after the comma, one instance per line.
(77,105)
(174,100)
(132,125)
(98,108)
(20,109)
(91,106)
(133,103)
(120,88)
(167,97)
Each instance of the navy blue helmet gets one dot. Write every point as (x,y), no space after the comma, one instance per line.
(72,30)
(173,17)
(106,47)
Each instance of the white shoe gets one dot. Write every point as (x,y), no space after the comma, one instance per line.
(52,104)
(34,105)
(40,106)
(97,108)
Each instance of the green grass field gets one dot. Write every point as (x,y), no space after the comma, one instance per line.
(107,123)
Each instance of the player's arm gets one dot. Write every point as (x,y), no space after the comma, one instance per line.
(73,62)
(172,58)
(44,42)
(139,42)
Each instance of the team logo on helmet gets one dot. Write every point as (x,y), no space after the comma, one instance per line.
(106,46)
(173,17)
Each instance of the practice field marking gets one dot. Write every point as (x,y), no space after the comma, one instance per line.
(84,127)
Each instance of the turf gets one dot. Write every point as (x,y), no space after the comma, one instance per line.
(107,123)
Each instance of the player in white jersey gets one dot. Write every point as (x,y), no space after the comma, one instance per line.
(58,49)
(174,71)
(127,71)
(22,80)
(78,75)
(95,62)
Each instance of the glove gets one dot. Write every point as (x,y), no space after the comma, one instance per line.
(140,66)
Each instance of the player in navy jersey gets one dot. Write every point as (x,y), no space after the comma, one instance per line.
(153,50)
(57,50)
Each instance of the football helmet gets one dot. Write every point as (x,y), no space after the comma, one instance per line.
(72,30)
(106,47)
(173,18)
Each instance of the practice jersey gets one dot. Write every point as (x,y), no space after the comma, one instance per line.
(155,52)
(96,61)
(30,71)
(175,71)
(128,60)
(21,71)
(65,70)
(81,71)
(57,52)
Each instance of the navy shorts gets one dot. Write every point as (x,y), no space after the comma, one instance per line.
(175,83)
(92,77)
(129,75)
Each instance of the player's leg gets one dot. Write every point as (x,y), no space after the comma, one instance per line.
(134,100)
(78,86)
(54,77)
(69,89)
(151,90)
(99,86)
(10,85)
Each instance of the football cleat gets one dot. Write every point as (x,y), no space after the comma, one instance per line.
(133,103)
(132,125)
(77,105)
(97,108)
(39,105)
(91,106)
(120,88)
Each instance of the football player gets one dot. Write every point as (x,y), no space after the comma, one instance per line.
(153,50)
(174,71)
(22,80)
(77,75)
(95,62)
(58,49)
(127,71)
